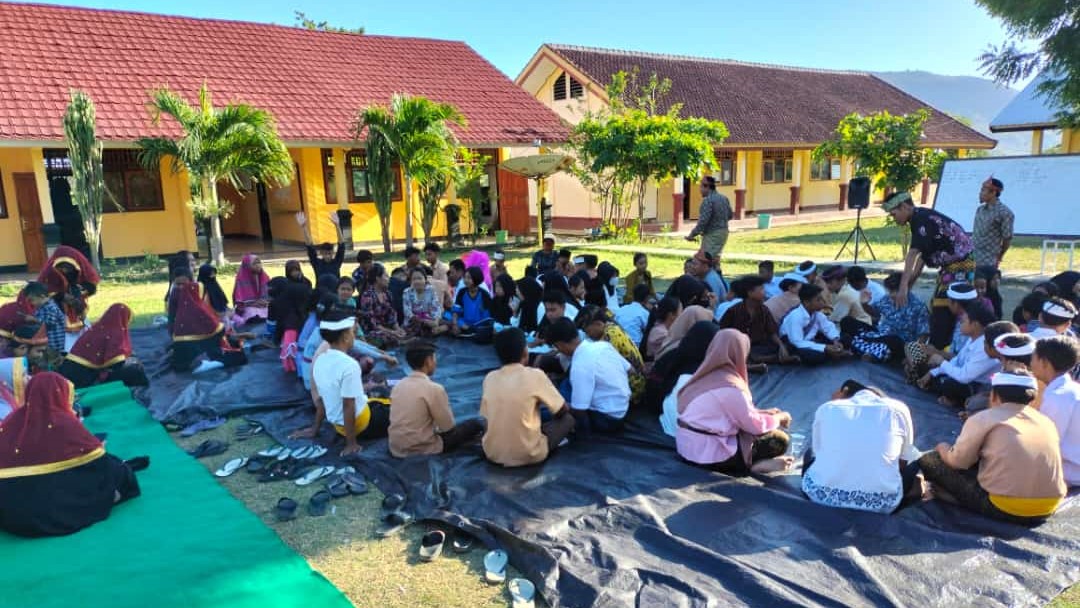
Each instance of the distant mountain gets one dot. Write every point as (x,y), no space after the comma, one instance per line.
(976,99)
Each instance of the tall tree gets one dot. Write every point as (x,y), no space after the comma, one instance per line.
(1053,26)
(467,175)
(233,144)
(883,146)
(416,131)
(379,157)
(88,190)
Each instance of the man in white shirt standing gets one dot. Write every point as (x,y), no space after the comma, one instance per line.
(338,388)
(813,337)
(957,379)
(1051,363)
(635,316)
(599,384)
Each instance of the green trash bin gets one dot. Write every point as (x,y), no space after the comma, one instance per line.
(500,237)
(764,221)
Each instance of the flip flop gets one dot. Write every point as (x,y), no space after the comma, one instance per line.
(210,447)
(495,566)
(257,465)
(356,484)
(317,451)
(337,488)
(522,593)
(284,455)
(249,430)
(393,523)
(302,453)
(319,503)
(272,452)
(463,541)
(393,502)
(314,475)
(285,509)
(231,467)
(431,545)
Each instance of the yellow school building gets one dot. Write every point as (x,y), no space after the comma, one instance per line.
(776,116)
(1030,111)
(314,83)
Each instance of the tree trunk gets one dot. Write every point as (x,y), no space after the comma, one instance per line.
(217,244)
(384,223)
(641,209)
(93,241)
(408,210)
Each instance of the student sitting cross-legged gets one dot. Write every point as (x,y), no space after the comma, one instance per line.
(338,388)
(1006,463)
(862,446)
(1011,349)
(810,333)
(752,318)
(1054,357)
(421,421)
(599,381)
(513,396)
(958,378)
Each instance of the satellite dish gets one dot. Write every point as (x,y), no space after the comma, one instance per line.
(537,166)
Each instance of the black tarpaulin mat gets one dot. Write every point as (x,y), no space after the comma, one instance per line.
(185,398)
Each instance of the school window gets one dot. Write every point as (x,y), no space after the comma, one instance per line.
(357,178)
(567,87)
(132,187)
(825,169)
(777,167)
(726,161)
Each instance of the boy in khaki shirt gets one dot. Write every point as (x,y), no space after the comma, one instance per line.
(511,402)
(421,421)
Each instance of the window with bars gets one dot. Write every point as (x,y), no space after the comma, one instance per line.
(567,87)
(825,169)
(777,166)
(357,176)
(133,188)
(725,159)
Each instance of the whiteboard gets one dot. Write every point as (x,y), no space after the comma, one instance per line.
(1042,191)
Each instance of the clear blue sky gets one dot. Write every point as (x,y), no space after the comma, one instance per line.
(943,36)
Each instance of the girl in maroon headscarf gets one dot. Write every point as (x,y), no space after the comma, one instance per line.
(251,295)
(197,331)
(71,280)
(103,353)
(55,477)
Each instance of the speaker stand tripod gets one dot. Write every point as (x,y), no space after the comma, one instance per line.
(857,233)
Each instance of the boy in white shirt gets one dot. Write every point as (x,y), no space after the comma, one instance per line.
(810,333)
(1053,359)
(1056,319)
(634,316)
(955,380)
(599,384)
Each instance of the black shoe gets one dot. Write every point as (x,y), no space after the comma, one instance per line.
(138,463)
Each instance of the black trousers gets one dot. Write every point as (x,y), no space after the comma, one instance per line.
(942,325)
(463,433)
(589,422)
(951,389)
(963,486)
(557,429)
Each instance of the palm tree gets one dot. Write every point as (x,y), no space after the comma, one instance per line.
(416,131)
(232,144)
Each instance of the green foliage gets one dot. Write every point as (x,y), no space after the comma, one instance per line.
(302,20)
(627,92)
(1053,28)
(415,132)
(88,191)
(637,147)
(235,143)
(467,175)
(884,145)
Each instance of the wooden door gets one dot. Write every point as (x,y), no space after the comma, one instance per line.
(513,202)
(26,197)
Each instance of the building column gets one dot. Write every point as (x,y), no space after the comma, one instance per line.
(1070,141)
(677,199)
(796,181)
(740,184)
(341,191)
(845,180)
(1037,142)
(925,192)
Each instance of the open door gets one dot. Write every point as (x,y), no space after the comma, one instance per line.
(513,202)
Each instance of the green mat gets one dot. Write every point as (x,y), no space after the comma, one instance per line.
(186,542)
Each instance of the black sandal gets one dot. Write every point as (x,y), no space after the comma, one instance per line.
(319,503)
(285,509)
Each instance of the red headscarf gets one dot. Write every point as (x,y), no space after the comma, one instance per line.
(44,436)
(249,284)
(724,366)
(107,342)
(56,281)
(195,320)
(11,315)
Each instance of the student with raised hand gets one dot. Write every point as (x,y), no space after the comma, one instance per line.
(421,421)
(956,379)
(599,379)
(513,397)
(862,451)
(1051,363)
(1006,463)
(324,259)
(1055,319)
(813,338)
(718,424)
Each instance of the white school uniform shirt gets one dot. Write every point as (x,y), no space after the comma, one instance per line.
(969,365)
(633,318)
(1061,403)
(571,312)
(772,288)
(598,379)
(1041,332)
(858,443)
(877,290)
(338,377)
(800,328)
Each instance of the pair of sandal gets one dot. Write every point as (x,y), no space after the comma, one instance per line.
(249,429)
(522,591)
(280,452)
(394,516)
(318,506)
(347,482)
(431,545)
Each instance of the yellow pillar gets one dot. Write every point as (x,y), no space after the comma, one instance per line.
(1037,142)
(341,187)
(1070,141)
(37,157)
(961,153)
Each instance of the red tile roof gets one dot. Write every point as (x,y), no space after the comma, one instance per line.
(313,82)
(769,104)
